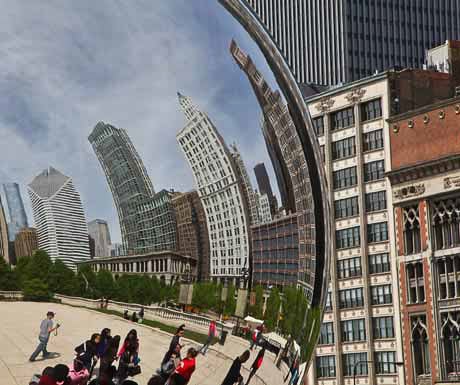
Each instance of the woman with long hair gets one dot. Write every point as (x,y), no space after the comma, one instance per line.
(104,342)
(129,361)
(132,339)
(110,353)
(87,351)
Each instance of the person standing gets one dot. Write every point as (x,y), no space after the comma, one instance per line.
(256,364)
(234,376)
(211,334)
(46,328)
(176,340)
(185,369)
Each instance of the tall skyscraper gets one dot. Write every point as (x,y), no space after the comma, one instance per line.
(59,217)
(4,246)
(337,41)
(16,211)
(98,229)
(245,182)
(265,188)
(26,242)
(126,176)
(222,197)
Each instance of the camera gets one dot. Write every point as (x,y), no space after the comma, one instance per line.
(58,325)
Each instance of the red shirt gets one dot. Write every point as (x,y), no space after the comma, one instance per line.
(186,368)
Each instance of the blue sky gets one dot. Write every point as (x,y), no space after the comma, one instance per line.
(68,64)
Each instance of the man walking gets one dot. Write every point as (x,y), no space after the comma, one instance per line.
(46,328)
(211,334)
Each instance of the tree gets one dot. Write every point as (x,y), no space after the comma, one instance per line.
(87,281)
(273,309)
(36,290)
(40,265)
(105,285)
(8,278)
(62,279)
(230,303)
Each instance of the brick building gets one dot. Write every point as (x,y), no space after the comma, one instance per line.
(192,231)
(275,251)
(425,181)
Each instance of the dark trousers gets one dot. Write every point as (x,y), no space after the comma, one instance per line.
(205,347)
(253,372)
(40,348)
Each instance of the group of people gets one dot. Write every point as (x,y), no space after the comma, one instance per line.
(102,348)
(105,349)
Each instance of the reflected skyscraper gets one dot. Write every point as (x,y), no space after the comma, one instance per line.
(127,177)
(99,231)
(4,247)
(59,217)
(16,211)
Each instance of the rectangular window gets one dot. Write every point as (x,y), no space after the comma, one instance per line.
(346,207)
(374,171)
(373,140)
(352,359)
(351,298)
(385,362)
(325,366)
(383,327)
(381,295)
(371,110)
(347,238)
(328,302)
(379,263)
(343,118)
(345,178)
(318,125)
(347,268)
(377,232)
(376,201)
(343,148)
(327,334)
(353,330)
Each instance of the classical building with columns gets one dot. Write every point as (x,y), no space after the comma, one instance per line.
(168,266)
(425,178)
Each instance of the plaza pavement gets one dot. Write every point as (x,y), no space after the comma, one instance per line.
(20,326)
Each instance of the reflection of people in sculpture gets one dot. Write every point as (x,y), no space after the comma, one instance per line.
(234,376)
(284,352)
(293,371)
(256,364)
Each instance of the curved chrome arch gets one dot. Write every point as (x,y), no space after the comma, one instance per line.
(312,153)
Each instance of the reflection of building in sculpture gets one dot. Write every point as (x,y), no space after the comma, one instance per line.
(222,196)
(250,195)
(192,231)
(337,41)
(425,177)
(4,246)
(275,249)
(286,139)
(59,217)
(117,250)
(98,229)
(263,181)
(263,205)
(16,211)
(26,242)
(127,178)
(168,266)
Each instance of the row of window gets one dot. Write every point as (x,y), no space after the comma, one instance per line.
(346,117)
(347,177)
(350,237)
(349,207)
(353,298)
(351,267)
(356,364)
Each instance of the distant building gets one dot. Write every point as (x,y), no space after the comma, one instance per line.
(92,246)
(98,229)
(4,246)
(127,177)
(265,188)
(16,211)
(265,214)
(275,252)
(169,267)
(117,250)
(192,231)
(220,193)
(26,242)
(59,217)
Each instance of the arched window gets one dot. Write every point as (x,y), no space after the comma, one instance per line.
(450,333)
(420,346)
(446,223)
(411,222)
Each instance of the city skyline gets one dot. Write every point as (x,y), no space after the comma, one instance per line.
(57,103)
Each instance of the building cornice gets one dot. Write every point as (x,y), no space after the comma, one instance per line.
(134,258)
(424,170)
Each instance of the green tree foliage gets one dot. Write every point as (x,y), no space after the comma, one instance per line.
(40,265)
(105,284)
(230,303)
(62,280)
(36,290)
(8,278)
(273,308)
(207,296)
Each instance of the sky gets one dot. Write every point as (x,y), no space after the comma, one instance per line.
(68,64)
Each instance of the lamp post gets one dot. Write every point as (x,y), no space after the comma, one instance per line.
(368,362)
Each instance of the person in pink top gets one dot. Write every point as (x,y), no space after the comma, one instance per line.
(212,332)
(78,374)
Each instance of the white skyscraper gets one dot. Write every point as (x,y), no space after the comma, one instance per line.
(59,217)
(222,197)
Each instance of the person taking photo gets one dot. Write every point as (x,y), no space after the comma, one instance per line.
(46,328)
